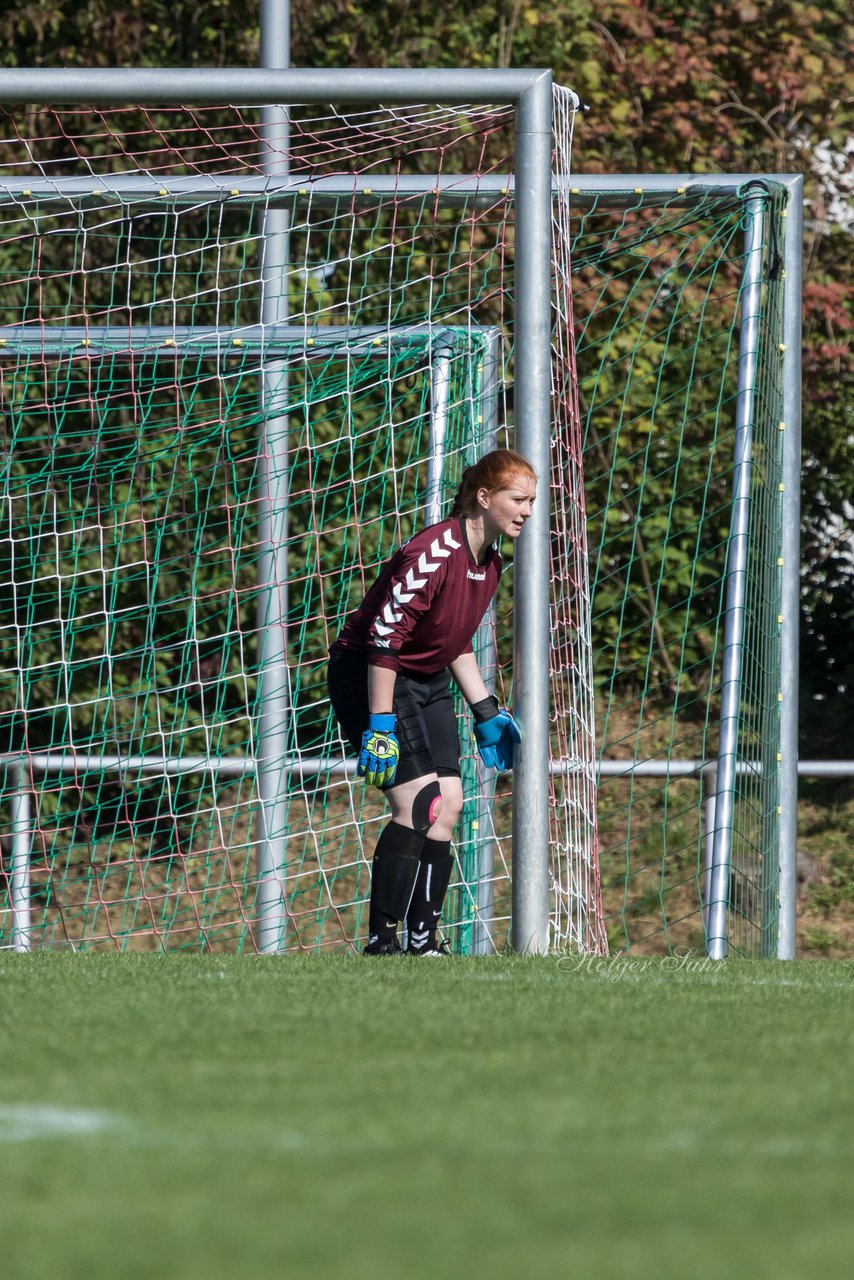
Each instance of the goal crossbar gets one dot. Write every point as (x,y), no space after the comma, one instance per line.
(278,339)
(677,190)
(256,86)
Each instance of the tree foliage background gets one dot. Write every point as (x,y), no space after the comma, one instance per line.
(711,86)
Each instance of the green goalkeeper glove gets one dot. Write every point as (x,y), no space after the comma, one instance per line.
(380,752)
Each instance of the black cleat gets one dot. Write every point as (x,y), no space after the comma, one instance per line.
(380,948)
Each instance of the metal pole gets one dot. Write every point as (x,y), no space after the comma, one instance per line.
(530,923)
(454,190)
(736,578)
(440,399)
(250,85)
(274,701)
(484,890)
(482,944)
(240,766)
(19,879)
(178,342)
(709,784)
(790,585)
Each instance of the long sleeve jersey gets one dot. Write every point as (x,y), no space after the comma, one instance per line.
(424,608)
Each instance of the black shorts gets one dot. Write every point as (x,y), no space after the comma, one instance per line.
(426,720)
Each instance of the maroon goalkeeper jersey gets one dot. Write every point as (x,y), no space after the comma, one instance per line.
(424,608)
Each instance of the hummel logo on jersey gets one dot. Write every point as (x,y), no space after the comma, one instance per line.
(476,577)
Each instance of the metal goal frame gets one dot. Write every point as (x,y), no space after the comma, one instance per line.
(529,93)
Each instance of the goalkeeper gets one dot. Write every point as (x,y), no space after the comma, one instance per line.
(389,682)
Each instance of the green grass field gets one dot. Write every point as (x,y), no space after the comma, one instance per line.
(205,1118)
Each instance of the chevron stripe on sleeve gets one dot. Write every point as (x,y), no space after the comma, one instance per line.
(412,588)
(426,604)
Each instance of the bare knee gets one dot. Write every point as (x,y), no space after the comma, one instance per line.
(450,809)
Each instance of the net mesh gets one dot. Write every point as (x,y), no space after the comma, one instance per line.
(207,456)
(149,348)
(658,297)
(573,780)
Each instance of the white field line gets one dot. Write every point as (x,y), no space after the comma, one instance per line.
(28,1122)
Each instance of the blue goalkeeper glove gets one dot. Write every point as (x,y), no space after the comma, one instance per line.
(496,733)
(380,752)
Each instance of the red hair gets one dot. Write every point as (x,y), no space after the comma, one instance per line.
(493,471)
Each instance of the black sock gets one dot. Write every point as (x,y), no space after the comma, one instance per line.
(393,875)
(434,876)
